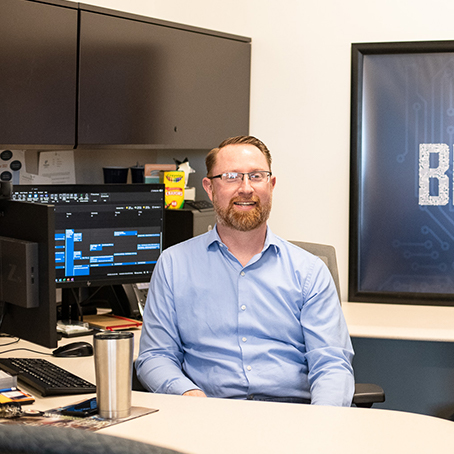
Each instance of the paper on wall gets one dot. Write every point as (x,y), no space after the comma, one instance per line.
(31,178)
(58,166)
(54,167)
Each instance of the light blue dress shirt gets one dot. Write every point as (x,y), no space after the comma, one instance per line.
(272,328)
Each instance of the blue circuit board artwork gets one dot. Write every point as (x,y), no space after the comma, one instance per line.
(406,200)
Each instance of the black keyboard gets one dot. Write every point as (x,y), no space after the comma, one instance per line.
(47,378)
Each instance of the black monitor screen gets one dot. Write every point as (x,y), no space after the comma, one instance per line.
(402,215)
(104,234)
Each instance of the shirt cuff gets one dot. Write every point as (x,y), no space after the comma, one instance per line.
(180,386)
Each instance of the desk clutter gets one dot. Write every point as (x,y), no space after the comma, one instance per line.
(11,401)
(112,361)
(111,322)
(175,177)
(59,417)
(11,398)
(108,322)
(47,378)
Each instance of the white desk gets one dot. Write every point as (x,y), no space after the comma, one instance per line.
(198,425)
(400,321)
(408,351)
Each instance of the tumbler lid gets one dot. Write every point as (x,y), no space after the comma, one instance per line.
(113,335)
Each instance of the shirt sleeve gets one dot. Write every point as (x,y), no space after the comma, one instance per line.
(329,352)
(159,364)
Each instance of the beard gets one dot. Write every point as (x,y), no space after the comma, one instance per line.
(243,221)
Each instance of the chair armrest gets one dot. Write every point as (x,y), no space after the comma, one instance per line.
(136,385)
(367,394)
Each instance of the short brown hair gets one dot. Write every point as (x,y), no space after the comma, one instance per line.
(210,159)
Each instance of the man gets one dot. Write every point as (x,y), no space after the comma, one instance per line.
(238,312)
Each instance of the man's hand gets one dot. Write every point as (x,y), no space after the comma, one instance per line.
(194,393)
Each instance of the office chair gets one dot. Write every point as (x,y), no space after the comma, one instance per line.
(366,394)
(24,439)
(136,383)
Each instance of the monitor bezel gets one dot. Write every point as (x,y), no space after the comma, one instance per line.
(358,51)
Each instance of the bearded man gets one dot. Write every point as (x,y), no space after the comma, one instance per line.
(239,312)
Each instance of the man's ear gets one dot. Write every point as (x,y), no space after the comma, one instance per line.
(206,182)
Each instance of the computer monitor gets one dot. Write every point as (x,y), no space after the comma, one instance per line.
(105,235)
(401,174)
(35,224)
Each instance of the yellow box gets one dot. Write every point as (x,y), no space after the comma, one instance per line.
(174,193)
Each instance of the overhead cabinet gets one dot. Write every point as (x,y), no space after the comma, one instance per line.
(38,74)
(128,81)
(146,83)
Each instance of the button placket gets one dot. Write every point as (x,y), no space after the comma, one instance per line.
(243,322)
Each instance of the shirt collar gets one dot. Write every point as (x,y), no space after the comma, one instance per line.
(213,238)
(270,240)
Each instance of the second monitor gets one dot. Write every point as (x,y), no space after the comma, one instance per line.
(105,236)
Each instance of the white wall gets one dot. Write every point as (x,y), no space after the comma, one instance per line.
(300,100)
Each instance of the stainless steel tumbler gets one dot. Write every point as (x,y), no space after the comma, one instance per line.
(113,353)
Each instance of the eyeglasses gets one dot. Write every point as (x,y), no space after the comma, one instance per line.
(259,176)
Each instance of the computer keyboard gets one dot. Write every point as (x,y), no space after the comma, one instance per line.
(47,378)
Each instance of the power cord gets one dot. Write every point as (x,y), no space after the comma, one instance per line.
(3,311)
(26,349)
(15,341)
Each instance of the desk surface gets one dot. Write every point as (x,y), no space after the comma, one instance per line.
(400,321)
(197,425)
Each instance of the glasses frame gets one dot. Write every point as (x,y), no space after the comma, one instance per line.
(268,173)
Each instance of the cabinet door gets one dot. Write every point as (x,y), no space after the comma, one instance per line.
(38,54)
(147,84)
(205,83)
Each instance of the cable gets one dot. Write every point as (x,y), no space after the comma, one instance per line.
(27,349)
(9,343)
(3,311)
(79,301)
(86,300)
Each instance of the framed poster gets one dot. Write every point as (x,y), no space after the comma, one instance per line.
(401,184)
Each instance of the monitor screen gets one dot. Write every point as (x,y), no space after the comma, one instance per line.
(104,234)
(401,199)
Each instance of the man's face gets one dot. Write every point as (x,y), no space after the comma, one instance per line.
(242,206)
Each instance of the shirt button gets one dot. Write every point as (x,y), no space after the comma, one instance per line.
(243,307)
(243,273)
(244,339)
(249,368)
